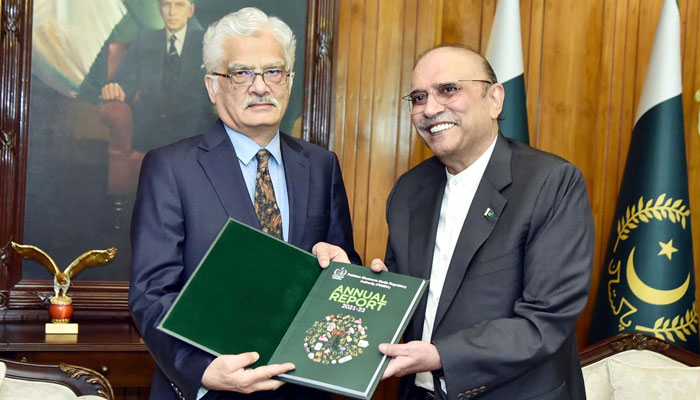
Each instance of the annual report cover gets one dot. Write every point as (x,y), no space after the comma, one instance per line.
(348,313)
(253,292)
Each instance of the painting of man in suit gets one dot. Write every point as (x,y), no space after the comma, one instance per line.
(106,88)
(160,77)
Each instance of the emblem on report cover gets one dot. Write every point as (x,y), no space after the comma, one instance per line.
(339,273)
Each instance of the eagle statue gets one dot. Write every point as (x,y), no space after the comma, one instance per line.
(61,280)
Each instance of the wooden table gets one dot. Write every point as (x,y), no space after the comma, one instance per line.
(110,347)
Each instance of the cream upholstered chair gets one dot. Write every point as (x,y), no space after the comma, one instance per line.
(24,381)
(637,366)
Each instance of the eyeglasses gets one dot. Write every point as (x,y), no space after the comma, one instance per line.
(246,77)
(444,93)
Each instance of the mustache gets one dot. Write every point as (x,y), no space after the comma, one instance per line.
(259,99)
(440,118)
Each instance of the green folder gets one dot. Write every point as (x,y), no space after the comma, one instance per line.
(254,292)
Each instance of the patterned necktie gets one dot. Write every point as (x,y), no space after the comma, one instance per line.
(173,57)
(265,203)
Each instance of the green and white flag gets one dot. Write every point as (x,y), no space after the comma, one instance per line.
(69,40)
(647,283)
(505,53)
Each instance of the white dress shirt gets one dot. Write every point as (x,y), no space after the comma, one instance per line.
(456,200)
(179,42)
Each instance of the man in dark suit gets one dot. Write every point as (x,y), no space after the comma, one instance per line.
(505,234)
(161,77)
(243,168)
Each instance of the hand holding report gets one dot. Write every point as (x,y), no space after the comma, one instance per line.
(228,372)
(253,292)
(409,358)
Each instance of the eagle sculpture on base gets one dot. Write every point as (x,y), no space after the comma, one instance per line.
(61,280)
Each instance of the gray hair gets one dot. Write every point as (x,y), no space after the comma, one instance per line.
(248,21)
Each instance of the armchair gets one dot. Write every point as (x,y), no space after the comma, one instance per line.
(27,381)
(639,366)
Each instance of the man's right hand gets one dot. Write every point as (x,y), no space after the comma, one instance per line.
(113,92)
(227,372)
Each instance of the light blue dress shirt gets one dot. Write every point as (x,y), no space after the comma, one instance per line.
(246,148)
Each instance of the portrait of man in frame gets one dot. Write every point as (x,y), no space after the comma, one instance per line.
(84,150)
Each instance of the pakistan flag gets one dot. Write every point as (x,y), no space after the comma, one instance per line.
(505,54)
(647,283)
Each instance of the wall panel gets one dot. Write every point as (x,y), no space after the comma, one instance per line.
(377,43)
(603,175)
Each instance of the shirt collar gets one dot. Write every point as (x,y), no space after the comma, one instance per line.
(246,148)
(477,168)
(180,35)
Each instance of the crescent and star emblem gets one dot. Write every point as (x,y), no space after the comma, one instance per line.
(649,294)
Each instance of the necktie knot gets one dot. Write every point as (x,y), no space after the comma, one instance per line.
(263,157)
(173,56)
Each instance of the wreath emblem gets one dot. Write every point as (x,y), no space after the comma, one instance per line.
(665,327)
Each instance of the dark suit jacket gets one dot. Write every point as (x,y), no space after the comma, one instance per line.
(163,108)
(517,282)
(186,192)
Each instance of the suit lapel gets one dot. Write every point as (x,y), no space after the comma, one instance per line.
(191,57)
(477,228)
(423,221)
(155,55)
(296,172)
(220,164)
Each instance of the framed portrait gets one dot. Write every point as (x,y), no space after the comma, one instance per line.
(70,151)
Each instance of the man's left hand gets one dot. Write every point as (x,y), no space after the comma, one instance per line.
(327,252)
(410,358)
